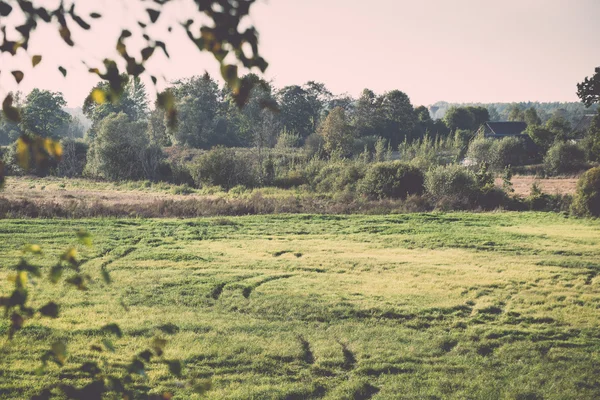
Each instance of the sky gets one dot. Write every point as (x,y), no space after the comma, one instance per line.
(433,50)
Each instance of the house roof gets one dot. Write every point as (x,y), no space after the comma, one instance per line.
(505,128)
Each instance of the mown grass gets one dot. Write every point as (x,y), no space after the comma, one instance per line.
(420,306)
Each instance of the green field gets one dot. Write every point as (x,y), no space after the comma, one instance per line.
(421,306)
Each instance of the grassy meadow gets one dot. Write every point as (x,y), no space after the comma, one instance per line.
(419,306)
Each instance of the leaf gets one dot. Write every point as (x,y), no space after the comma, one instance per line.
(35,60)
(56,273)
(147,53)
(65,33)
(95,15)
(17,322)
(175,367)
(59,349)
(137,367)
(19,75)
(108,345)
(63,71)
(98,96)
(90,368)
(9,111)
(202,386)
(5,9)
(32,248)
(70,256)
(50,310)
(145,355)
(53,148)
(23,153)
(84,237)
(114,329)
(154,14)
(158,345)
(106,276)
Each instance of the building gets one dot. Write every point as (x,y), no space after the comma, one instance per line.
(499,130)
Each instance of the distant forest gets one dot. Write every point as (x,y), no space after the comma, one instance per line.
(571,111)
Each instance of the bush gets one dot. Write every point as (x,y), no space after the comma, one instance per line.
(564,158)
(287,140)
(338,176)
(452,186)
(509,151)
(480,151)
(222,167)
(392,180)
(587,197)
(498,153)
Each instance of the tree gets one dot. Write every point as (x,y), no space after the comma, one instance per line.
(400,121)
(592,140)
(297,110)
(559,125)
(337,133)
(541,136)
(516,114)
(43,114)
(368,118)
(530,117)
(121,150)
(459,118)
(589,90)
(198,101)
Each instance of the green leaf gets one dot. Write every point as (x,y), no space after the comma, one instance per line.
(106,275)
(95,15)
(50,310)
(56,273)
(108,345)
(84,237)
(63,71)
(59,349)
(158,345)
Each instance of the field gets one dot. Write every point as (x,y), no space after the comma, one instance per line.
(419,306)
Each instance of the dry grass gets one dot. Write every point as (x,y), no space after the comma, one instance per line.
(522,184)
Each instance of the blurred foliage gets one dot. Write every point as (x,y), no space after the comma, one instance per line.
(222,36)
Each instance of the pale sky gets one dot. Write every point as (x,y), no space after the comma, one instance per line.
(453,50)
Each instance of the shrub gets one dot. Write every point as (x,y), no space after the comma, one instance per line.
(564,158)
(338,176)
(222,167)
(288,140)
(480,151)
(508,151)
(392,180)
(290,179)
(452,186)
(587,197)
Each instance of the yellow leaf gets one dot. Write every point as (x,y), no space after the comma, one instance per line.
(53,148)
(99,96)
(23,156)
(33,248)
